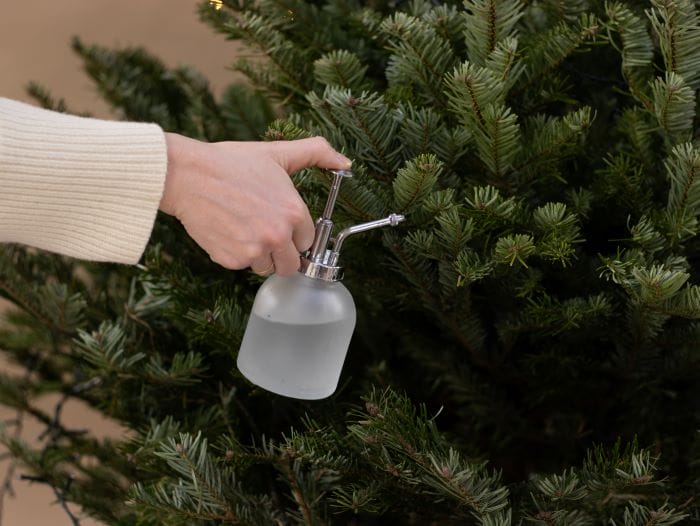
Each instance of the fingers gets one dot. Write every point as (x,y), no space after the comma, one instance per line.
(304,230)
(263,266)
(286,260)
(303,153)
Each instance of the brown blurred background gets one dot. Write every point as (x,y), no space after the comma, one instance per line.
(35,46)
(35,42)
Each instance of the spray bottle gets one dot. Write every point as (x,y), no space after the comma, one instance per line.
(300,326)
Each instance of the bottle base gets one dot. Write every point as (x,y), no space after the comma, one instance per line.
(278,386)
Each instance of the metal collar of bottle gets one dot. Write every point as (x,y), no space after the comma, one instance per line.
(321,271)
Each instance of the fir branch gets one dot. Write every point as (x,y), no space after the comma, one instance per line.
(51,304)
(384,424)
(471,267)
(136,83)
(411,268)
(548,50)
(551,140)
(589,494)
(59,480)
(204,119)
(358,498)
(674,105)
(453,232)
(343,69)
(492,209)
(504,62)
(560,232)
(40,94)
(683,205)
(470,89)
(6,488)
(512,248)
(446,21)
(637,125)
(282,52)
(367,119)
(368,130)
(623,181)
(60,496)
(199,492)
(415,181)
(685,304)
(413,262)
(486,23)
(184,369)
(418,128)
(655,285)
(105,349)
(424,131)
(647,236)
(498,141)
(246,112)
(545,316)
(568,10)
(285,130)
(566,486)
(476,97)
(638,514)
(305,507)
(677,26)
(420,56)
(362,199)
(637,48)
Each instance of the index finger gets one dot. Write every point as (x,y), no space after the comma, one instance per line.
(303,153)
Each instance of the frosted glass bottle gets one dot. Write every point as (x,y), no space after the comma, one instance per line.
(300,326)
(297,336)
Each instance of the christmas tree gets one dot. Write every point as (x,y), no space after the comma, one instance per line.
(526,347)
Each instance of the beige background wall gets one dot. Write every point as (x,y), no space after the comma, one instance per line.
(35,42)
(35,45)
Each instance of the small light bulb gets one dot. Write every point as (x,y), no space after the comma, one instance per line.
(216,4)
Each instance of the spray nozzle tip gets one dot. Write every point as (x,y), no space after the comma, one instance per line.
(395,219)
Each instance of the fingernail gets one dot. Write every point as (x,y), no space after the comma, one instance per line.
(343,161)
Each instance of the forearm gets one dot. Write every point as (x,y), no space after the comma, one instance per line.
(85,188)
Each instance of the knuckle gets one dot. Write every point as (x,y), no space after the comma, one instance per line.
(274,237)
(320,142)
(248,254)
(297,212)
(226,260)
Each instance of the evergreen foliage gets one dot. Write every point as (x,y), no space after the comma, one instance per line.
(527,347)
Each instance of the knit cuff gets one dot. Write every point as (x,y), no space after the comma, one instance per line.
(86,188)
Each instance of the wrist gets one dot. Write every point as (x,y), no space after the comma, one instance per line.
(177,148)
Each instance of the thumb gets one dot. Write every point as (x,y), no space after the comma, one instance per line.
(303,153)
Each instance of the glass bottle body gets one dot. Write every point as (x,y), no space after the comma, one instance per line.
(297,336)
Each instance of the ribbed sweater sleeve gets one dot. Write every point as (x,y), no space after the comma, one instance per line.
(82,187)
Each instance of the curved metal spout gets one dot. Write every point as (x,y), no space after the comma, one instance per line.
(391,220)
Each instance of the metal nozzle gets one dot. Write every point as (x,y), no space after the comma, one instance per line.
(322,263)
(324,226)
(338,176)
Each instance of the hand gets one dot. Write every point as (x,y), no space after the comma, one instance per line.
(237,201)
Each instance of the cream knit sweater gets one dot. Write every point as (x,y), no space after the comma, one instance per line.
(86,188)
